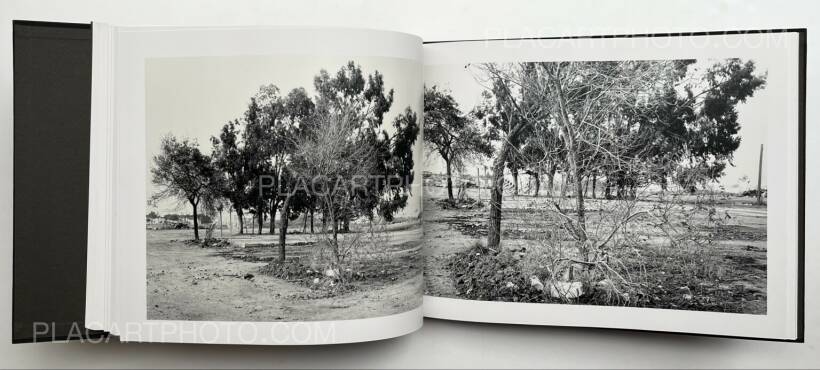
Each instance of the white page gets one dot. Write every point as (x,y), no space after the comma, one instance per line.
(189,83)
(770,118)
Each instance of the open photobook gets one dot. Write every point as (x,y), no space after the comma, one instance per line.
(288,185)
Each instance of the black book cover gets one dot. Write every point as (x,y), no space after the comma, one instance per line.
(52,107)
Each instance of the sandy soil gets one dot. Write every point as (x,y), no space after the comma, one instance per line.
(186,282)
(740,246)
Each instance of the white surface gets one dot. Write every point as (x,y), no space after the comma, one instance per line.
(439,343)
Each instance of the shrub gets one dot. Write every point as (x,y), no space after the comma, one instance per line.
(483,274)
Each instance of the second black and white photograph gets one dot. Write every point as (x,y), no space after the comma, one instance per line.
(637,183)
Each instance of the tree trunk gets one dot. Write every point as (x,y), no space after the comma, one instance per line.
(304,223)
(273,209)
(496,197)
(196,221)
(449,181)
(261,222)
(551,181)
(594,182)
(515,181)
(579,202)
(241,218)
(346,224)
(564,184)
(537,183)
(335,243)
(311,220)
(283,228)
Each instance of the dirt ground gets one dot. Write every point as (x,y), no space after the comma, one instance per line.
(187,282)
(738,251)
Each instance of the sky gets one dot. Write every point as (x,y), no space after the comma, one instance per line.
(754,117)
(194,97)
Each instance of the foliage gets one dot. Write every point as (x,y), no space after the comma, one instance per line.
(451,134)
(182,172)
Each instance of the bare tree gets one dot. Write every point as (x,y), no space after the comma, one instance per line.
(333,166)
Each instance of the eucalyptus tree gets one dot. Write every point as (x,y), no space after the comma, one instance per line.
(182,172)
(451,134)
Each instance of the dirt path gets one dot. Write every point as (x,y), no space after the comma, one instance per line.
(191,283)
(441,240)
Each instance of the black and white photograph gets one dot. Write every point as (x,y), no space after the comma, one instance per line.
(282,188)
(637,183)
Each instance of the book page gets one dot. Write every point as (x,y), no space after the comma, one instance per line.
(266,185)
(645,183)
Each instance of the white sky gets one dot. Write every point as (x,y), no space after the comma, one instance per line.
(194,97)
(754,116)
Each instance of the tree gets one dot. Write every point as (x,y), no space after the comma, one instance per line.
(585,99)
(257,159)
(332,166)
(631,120)
(398,167)
(182,172)
(363,103)
(713,127)
(451,134)
(344,162)
(213,201)
(510,113)
(230,163)
(285,118)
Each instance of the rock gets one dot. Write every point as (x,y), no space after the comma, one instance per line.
(606,286)
(331,273)
(510,285)
(687,297)
(566,290)
(316,281)
(248,276)
(536,283)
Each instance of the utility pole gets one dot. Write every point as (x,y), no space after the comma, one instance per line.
(760,176)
